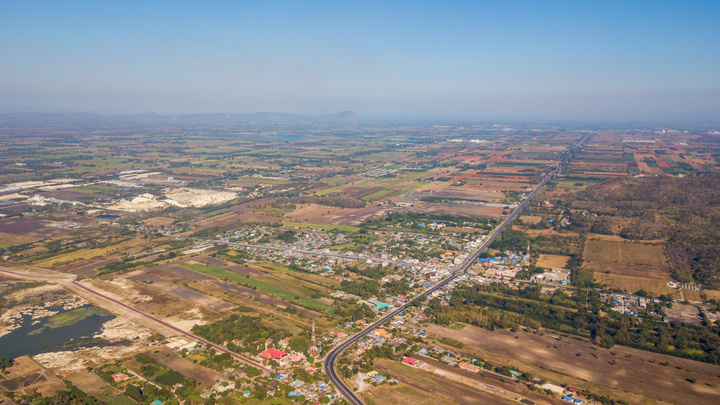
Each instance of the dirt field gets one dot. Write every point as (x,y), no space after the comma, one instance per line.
(32,227)
(87,268)
(181,292)
(158,221)
(632,284)
(87,381)
(27,375)
(455,209)
(531,219)
(318,214)
(552,261)
(11,239)
(172,360)
(215,284)
(479,382)
(628,369)
(420,387)
(624,256)
(628,266)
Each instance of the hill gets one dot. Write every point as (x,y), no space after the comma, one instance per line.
(684,212)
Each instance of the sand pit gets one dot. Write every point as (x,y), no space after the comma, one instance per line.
(183,197)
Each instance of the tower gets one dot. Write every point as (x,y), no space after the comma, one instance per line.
(527,260)
(313,348)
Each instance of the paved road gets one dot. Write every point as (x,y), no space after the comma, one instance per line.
(139,312)
(329,361)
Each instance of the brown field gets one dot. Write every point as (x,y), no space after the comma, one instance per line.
(32,227)
(531,219)
(180,291)
(468,194)
(627,258)
(11,239)
(455,209)
(69,195)
(552,261)
(87,268)
(629,266)
(319,214)
(632,284)
(172,360)
(536,232)
(87,381)
(701,295)
(512,388)
(26,376)
(212,286)
(633,371)
(158,221)
(420,387)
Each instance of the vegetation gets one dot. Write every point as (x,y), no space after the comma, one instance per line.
(683,211)
(498,306)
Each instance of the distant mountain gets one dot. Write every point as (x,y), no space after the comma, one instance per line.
(156,119)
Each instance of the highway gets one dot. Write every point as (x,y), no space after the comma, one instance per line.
(329,361)
(141,313)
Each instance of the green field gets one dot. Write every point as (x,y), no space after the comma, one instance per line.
(343,228)
(121,400)
(69,318)
(267,285)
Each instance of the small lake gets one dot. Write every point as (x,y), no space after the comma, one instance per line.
(112,217)
(27,340)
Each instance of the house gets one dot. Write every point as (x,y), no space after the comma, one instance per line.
(411,362)
(271,353)
(120,377)
(572,389)
(469,367)
(378,378)
(567,398)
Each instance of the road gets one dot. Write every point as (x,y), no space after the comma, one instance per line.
(329,361)
(67,279)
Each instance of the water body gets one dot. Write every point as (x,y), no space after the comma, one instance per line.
(113,217)
(27,340)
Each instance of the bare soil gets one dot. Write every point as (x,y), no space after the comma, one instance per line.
(172,360)
(552,261)
(621,368)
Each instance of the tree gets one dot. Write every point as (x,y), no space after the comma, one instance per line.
(299,343)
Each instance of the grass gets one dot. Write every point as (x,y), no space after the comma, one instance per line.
(91,189)
(121,400)
(266,285)
(69,318)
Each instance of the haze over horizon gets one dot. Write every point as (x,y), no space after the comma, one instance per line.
(642,60)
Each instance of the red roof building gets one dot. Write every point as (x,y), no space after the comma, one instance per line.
(410,362)
(272,354)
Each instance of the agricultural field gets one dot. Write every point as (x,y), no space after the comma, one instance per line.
(629,266)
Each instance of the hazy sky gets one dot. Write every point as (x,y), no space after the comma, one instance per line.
(475,59)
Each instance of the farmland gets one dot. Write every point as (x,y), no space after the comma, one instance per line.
(276,229)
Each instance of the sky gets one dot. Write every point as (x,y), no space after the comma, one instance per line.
(584,60)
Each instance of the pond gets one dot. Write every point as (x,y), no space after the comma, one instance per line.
(64,331)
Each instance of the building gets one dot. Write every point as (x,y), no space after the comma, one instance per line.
(411,362)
